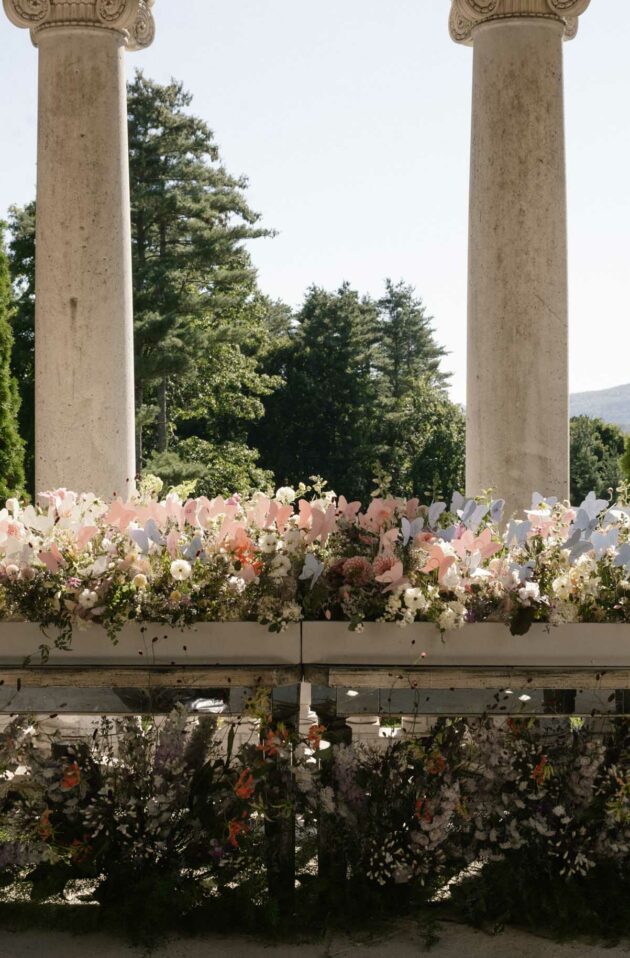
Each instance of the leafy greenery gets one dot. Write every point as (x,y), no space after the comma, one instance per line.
(347,387)
(362,394)
(11,446)
(596,450)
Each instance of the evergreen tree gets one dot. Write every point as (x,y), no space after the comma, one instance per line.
(193,278)
(407,346)
(421,431)
(200,321)
(596,451)
(321,421)
(21,249)
(427,450)
(11,446)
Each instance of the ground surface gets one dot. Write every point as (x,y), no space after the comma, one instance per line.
(455,942)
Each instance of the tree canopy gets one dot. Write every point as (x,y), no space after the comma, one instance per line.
(596,450)
(11,445)
(361,394)
(236,391)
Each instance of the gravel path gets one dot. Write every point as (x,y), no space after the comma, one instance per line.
(455,942)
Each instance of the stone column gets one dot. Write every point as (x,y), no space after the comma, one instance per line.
(84,389)
(517,402)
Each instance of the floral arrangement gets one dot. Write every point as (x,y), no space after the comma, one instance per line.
(168,817)
(309,554)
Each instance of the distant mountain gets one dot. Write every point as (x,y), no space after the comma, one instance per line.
(611,405)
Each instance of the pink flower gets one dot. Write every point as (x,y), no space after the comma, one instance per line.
(358,570)
(383,564)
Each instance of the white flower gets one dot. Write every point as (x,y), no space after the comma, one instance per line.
(280,567)
(415,600)
(88,599)
(291,541)
(140,581)
(291,612)
(286,495)
(452,617)
(236,584)
(268,543)
(529,593)
(451,579)
(562,587)
(181,570)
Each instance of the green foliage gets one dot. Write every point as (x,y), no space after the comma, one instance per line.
(21,250)
(321,419)
(215,469)
(407,350)
(596,451)
(194,283)
(11,446)
(362,394)
(200,321)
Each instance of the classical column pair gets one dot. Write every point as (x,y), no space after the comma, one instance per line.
(517,402)
(518,396)
(84,382)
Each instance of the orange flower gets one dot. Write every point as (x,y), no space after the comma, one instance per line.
(539,774)
(245,787)
(315,735)
(45,829)
(273,741)
(436,764)
(423,812)
(236,828)
(71,776)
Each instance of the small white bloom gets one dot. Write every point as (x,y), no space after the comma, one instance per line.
(88,599)
(140,581)
(236,584)
(286,495)
(268,543)
(181,570)
(280,567)
(451,578)
(529,593)
(415,600)
(562,587)
(291,612)
(291,541)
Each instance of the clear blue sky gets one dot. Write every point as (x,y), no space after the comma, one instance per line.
(351,119)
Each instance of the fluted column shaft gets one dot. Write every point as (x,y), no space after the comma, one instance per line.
(518,394)
(84,383)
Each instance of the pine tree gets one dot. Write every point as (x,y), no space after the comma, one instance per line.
(322,420)
(189,223)
(407,346)
(11,446)
(597,457)
(200,328)
(21,249)
(422,433)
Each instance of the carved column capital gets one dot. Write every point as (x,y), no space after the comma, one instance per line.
(468,14)
(132,19)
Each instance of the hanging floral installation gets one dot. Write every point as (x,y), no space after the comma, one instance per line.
(309,554)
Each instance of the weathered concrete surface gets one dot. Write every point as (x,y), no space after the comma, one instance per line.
(84,382)
(517,401)
(84,313)
(517,398)
(455,942)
